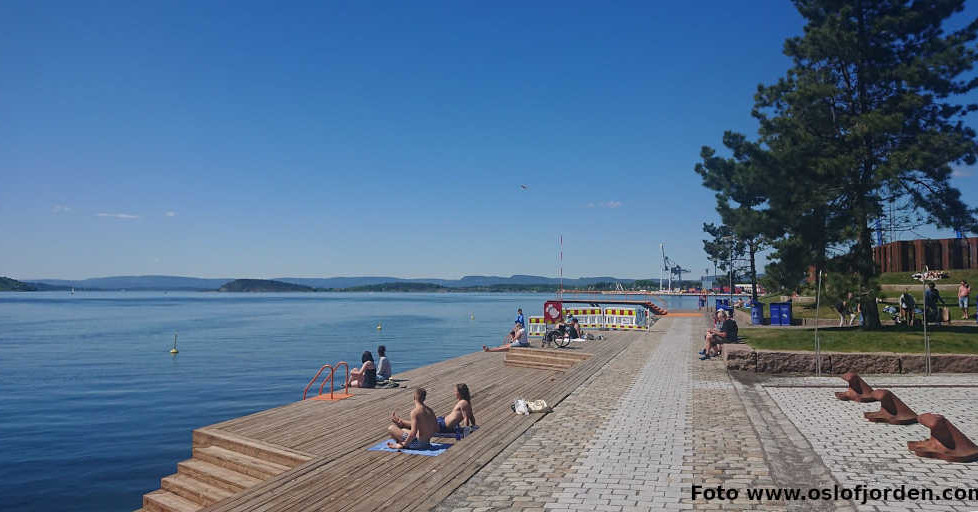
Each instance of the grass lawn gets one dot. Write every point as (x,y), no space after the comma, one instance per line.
(955,277)
(943,340)
(807,310)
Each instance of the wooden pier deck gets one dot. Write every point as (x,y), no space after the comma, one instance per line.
(312,455)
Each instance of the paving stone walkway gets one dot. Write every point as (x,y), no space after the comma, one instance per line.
(656,421)
(636,460)
(860,452)
(529,472)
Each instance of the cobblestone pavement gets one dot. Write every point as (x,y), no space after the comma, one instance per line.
(527,474)
(872,454)
(636,460)
(655,421)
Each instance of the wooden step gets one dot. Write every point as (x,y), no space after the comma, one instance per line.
(216,475)
(193,489)
(567,363)
(239,462)
(165,501)
(565,353)
(537,366)
(540,364)
(204,437)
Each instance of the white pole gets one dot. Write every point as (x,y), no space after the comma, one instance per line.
(818,347)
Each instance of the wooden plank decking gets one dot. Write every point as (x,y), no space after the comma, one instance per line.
(316,451)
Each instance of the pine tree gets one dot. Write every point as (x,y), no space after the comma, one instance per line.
(868,116)
(740,183)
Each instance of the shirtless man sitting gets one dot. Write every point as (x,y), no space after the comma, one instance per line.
(416,434)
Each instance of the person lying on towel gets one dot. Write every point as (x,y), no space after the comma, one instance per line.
(416,434)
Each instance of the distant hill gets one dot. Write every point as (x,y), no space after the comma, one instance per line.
(12,285)
(465,282)
(137,283)
(262,285)
(176,283)
(398,287)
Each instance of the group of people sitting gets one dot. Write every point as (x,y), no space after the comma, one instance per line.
(416,433)
(370,373)
(569,329)
(932,301)
(724,331)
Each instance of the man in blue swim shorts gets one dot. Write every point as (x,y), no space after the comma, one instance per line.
(416,434)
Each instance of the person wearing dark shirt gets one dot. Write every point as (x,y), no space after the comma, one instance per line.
(366,375)
(932,298)
(573,332)
(714,338)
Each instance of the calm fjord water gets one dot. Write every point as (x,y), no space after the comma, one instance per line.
(94,410)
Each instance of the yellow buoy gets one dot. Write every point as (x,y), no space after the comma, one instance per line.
(472,316)
(174,349)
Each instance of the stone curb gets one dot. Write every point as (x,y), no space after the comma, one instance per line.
(745,358)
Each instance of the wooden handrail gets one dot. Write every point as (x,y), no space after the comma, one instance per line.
(304,391)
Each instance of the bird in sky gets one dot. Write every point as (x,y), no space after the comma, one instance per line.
(524,187)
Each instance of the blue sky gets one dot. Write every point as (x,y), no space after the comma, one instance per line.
(241,139)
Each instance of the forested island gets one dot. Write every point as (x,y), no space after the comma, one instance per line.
(12,285)
(262,285)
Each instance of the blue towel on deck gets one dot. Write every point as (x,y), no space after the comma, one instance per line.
(436,449)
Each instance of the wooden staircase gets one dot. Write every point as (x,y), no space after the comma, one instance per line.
(544,359)
(223,464)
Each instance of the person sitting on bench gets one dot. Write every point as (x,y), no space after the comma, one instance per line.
(416,434)
(714,338)
(516,338)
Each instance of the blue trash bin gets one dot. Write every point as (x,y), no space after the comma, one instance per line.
(786,313)
(780,313)
(775,313)
(757,313)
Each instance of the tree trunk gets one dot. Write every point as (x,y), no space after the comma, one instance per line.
(866,269)
(752,247)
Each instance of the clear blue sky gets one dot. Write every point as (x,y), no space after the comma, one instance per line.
(242,139)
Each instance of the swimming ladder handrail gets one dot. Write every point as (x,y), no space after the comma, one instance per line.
(311,382)
(347,390)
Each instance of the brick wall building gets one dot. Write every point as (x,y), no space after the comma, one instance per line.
(914,255)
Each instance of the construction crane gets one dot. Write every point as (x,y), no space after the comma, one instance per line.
(670,268)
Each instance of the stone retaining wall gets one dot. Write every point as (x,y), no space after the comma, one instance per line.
(745,358)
